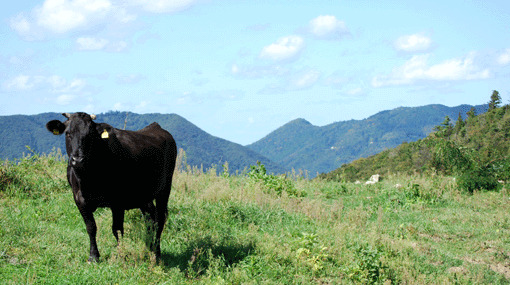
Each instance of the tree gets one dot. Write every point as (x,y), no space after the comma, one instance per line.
(445,129)
(459,125)
(471,113)
(495,100)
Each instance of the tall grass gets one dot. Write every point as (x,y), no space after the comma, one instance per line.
(232,229)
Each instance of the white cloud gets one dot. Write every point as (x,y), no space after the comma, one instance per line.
(65,99)
(418,69)
(53,88)
(21,24)
(117,46)
(63,16)
(142,104)
(355,91)
(413,43)
(164,6)
(258,71)
(234,69)
(305,79)
(337,80)
(328,27)
(20,83)
(50,84)
(284,48)
(75,85)
(90,43)
(504,58)
(60,16)
(293,80)
(118,106)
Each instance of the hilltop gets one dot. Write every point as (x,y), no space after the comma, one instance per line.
(202,149)
(301,145)
(475,149)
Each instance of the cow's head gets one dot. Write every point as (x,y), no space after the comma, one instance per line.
(81,135)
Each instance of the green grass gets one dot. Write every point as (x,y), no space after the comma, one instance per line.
(234,230)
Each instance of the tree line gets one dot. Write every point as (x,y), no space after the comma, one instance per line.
(475,150)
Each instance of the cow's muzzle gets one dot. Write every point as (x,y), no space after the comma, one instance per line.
(76,160)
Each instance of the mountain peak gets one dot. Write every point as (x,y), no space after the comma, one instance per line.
(299,121)
(202,149)
(301,145)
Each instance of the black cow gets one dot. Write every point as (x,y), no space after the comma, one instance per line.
(120,170)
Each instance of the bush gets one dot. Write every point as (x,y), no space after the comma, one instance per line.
(7,177)
(369,268)
(478,178)
(277,184)
(449,157)
(34,175)
(501,169)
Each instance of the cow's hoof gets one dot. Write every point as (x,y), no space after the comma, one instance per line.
(93,259)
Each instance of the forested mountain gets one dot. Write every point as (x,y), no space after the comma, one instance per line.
(298,144)
(475,149)
(19,131)
(301,145)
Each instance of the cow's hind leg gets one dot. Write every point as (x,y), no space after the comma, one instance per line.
(149,212)
(118,223)
(161,216)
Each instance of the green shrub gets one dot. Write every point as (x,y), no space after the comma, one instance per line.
(501,169)
(7,177)
(449,157)
(478,178)
(277,184)
(368,264)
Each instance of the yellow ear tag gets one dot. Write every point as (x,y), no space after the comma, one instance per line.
(56,132)
(105,135)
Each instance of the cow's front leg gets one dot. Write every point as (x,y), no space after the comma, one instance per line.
(88,217)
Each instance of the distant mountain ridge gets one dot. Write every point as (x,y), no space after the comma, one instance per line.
(301,145)
(476,152)
(202,149)
(295,145)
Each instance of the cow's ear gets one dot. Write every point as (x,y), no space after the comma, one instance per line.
(56,127)
(104,130)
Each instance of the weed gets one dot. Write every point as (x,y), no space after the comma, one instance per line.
(277,184)
(311,252)
(368,267)
(225,174)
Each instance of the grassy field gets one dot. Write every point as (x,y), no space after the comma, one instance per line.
(234,229)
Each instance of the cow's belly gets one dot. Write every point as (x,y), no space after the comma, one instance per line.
(126,194)
(123,185)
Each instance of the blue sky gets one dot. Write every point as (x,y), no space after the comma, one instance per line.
(240,69)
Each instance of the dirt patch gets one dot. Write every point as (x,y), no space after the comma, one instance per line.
(500,268)
(457,269)
(431,237)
